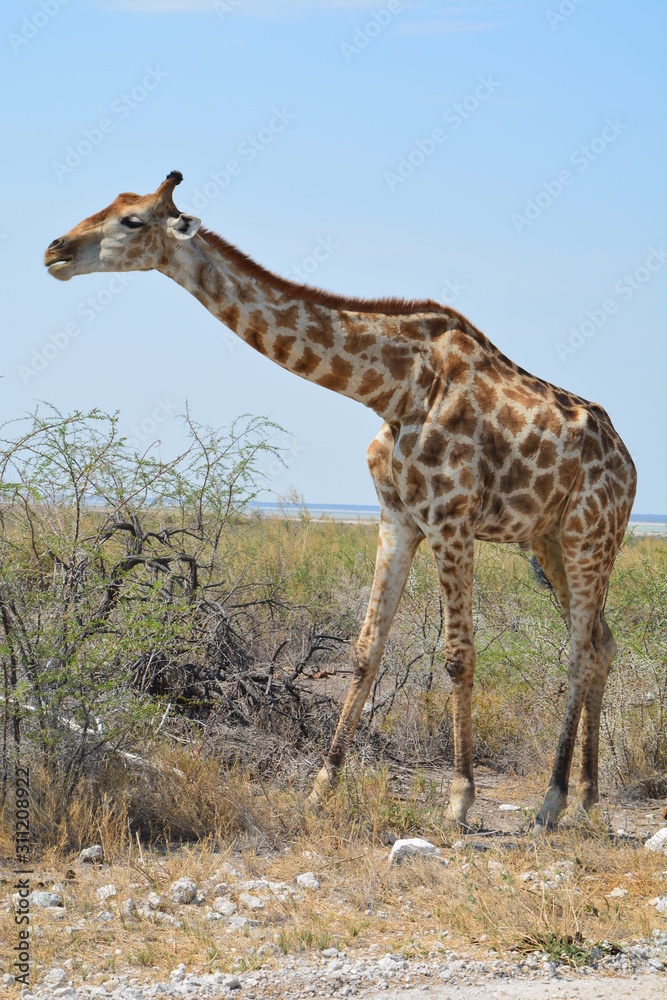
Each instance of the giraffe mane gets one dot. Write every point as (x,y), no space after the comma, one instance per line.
(319,296)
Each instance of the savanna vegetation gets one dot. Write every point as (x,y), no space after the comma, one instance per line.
(173,666)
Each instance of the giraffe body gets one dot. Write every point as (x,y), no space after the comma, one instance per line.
(472,447)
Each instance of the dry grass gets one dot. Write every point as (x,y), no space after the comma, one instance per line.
(212,790)
(479,899)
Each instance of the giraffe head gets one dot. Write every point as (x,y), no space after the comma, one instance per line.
(134,233)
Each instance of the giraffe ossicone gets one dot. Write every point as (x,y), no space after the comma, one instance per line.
(472,447)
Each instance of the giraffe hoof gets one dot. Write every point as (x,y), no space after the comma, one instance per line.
(321,788)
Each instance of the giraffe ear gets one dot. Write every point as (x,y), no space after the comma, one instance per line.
(184,227)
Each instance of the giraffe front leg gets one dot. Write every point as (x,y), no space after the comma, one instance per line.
(454,560)
(397,543)
(462,793)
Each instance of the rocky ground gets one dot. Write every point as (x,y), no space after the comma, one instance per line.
(639,972)
(342,919)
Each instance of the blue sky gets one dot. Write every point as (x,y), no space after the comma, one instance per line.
(507,158)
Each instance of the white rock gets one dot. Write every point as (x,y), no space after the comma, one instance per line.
(330,953)
(415,846)
(56,976)
(658,841)
(391,963)
(231,983)
(268,949)
(507,807)
(8,979)
(129,907)
(92,855)
(154,901)
(617,893)
(225,907)
(660,903)
(229,869)
(106,892)
(43,899)
(307,880)
(251,902)
(183,890)
(105,916)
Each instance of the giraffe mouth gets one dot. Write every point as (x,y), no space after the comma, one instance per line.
(58,268)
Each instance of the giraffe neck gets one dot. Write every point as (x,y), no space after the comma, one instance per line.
(369,356)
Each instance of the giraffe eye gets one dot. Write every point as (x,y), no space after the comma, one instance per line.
(132,222)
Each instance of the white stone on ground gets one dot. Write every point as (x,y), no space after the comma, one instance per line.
(106,892)
(224,906)
(183,890)
(251,902)
(415,846)
(307,880)
(92,854)
(42,899)
(658,842)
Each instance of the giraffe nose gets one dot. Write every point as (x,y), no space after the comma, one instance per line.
(56,243)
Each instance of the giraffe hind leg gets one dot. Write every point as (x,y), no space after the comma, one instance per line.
(549,554)
(587,783)
(580,578)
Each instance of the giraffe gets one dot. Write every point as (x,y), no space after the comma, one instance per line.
(472,447)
